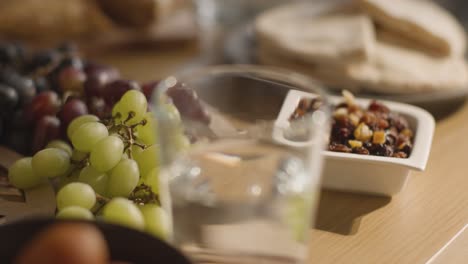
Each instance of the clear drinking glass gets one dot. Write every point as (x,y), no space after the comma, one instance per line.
(246,189)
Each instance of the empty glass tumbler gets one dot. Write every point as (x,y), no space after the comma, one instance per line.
(242,161)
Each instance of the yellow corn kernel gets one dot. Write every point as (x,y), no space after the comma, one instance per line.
(354,119)
(379,137)
(363,132)
(407,132)
(355,143)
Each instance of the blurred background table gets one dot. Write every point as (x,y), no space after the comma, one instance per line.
(411,227)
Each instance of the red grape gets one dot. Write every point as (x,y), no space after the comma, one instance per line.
(97,77)
(188,103)
(45,103)
(71,79)
(73,108)
(113,91)
(148,89)
(98,107)
(47,129)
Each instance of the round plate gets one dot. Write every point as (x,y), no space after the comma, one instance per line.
(124,244)
(240,47)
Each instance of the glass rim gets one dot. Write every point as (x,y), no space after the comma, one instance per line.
(302,81)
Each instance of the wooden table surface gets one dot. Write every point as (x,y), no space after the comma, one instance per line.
(411,227)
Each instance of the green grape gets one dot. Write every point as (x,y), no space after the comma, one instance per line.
(97,180)
(123,178)
(22,176)
(136,151)
(181,142)
(75,212)
(298,216)
(151,179)
(157,221)
(76,194)
(60,144)
(132,101)
(147,159)
(51,163)
(122,211)
(87,135)
(147,134)
(78,155)
(115,110)
(172,112)
(106,153)
(77,122)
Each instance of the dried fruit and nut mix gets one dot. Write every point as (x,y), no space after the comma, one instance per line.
(372,131)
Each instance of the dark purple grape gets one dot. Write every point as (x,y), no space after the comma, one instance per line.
(68,48)
(8,99)
(17,121)
(97,77)
(47,128)
(73,108)
(11,53)
(24,86)
(113,91)
(46,103)
(149,88)
(188,103)
(18,140)
(42,59)
(71,79)
(71,61)
(41,84)
(97,106)
(2,124)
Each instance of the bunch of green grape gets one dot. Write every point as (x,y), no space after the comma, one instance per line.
(110,173)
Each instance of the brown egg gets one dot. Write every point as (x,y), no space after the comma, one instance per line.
(66,243)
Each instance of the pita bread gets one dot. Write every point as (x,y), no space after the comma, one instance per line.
(420,21)
(337,76)
(395,70)
(296,31)
(401,70)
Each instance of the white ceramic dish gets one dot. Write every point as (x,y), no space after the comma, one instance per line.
(373,174)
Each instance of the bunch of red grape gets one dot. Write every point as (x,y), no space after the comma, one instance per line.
(41,92)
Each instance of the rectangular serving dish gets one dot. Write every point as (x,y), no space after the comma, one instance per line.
(377,175)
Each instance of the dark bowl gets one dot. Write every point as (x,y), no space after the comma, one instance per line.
(124,244)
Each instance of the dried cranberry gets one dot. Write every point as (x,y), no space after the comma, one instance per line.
(376,106)
(341,134)
(407,147)
(381,150)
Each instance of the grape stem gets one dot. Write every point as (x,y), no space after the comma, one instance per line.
(131,115)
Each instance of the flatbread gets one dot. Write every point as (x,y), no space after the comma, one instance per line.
(297,31)
(420,21)
(401,70)
(394,70)
(336,76)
